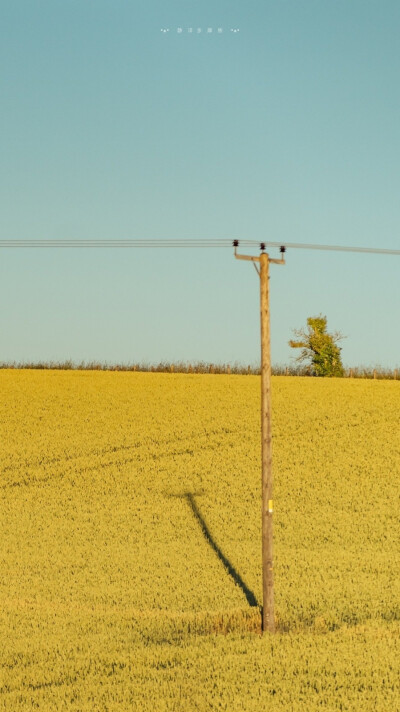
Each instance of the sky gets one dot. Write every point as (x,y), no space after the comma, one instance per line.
(119,122)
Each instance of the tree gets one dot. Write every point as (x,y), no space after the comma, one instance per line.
(319,347)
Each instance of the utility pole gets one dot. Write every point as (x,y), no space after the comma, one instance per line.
(268,618)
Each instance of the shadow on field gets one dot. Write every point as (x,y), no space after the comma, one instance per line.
(251,599)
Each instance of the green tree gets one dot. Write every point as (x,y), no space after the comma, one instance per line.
(319,347)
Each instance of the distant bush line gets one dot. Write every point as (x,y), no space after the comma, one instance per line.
(376,372)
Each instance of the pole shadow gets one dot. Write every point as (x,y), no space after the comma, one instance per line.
(251,599)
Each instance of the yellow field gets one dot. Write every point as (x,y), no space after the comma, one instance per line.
(130,569)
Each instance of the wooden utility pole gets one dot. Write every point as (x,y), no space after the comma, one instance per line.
(268,618)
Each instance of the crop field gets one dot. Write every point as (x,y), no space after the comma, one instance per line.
(130,565)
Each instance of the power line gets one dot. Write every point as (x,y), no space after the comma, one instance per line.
(153,243)
(187,243)
(336,248)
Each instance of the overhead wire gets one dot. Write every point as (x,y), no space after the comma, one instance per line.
(186,243)
(334,248)
(123,243)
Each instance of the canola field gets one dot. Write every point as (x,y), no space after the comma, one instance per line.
(130,565)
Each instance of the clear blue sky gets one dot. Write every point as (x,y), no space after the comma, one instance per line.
(286,130)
